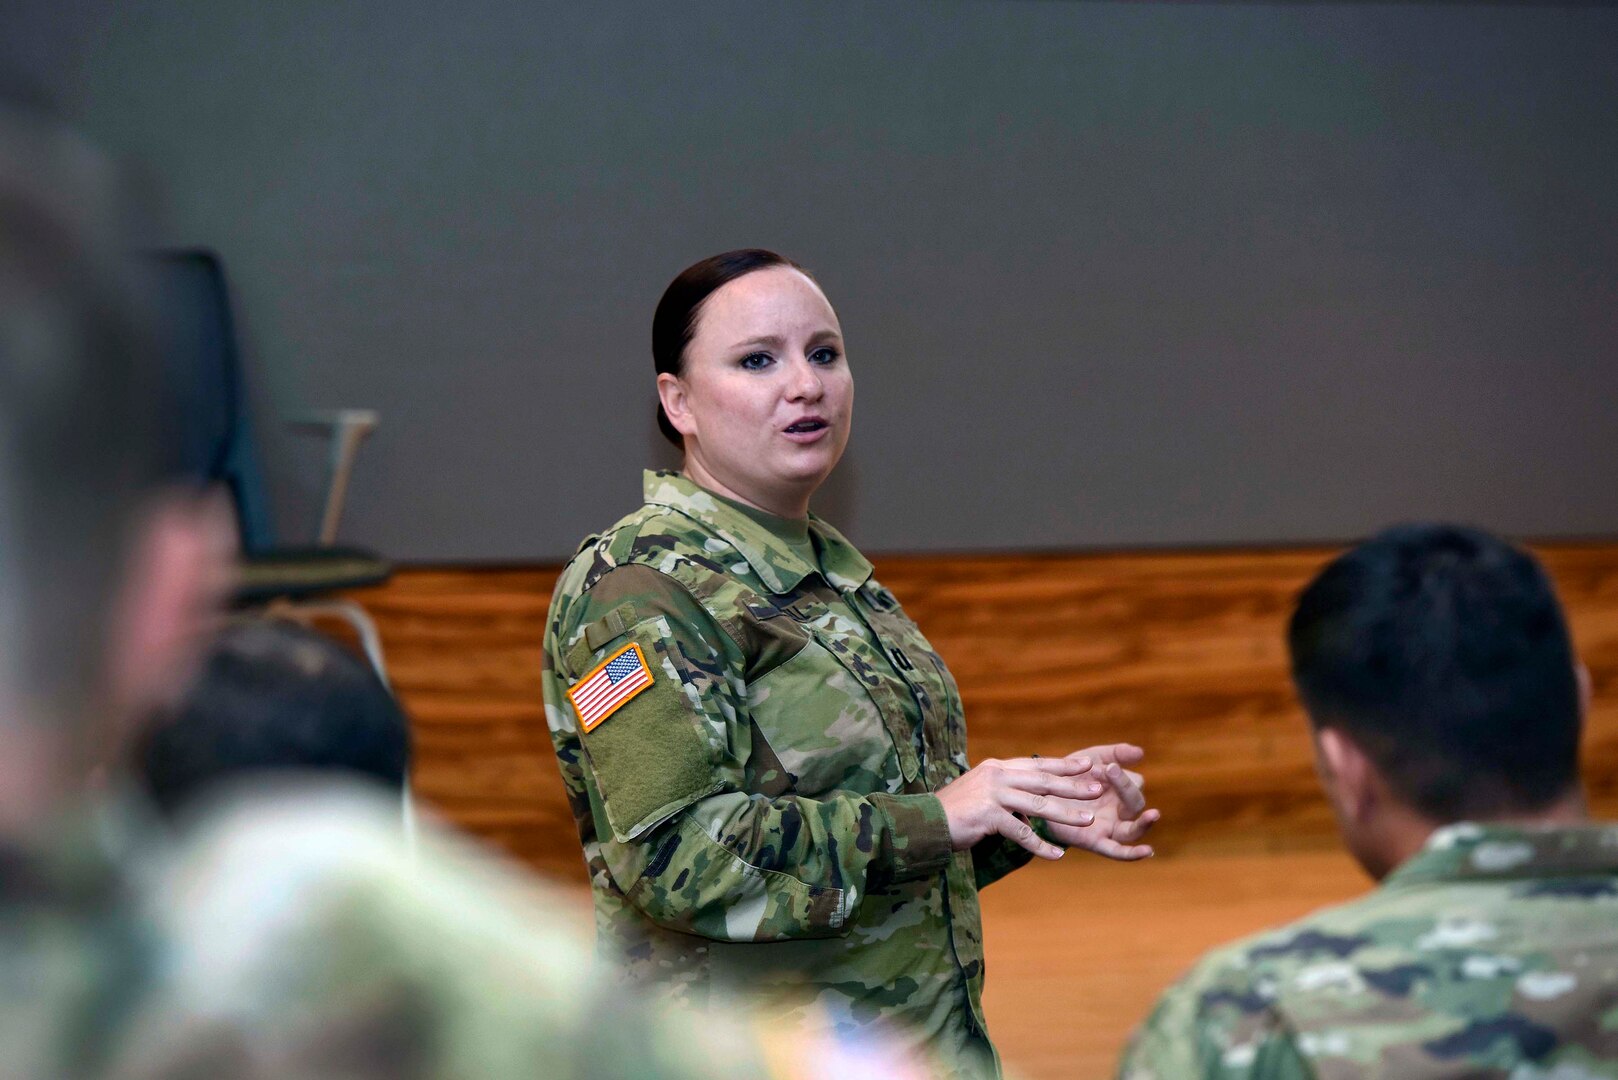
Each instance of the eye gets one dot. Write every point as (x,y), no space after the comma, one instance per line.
(824,355)
(756,361)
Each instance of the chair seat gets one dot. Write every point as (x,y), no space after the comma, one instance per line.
(291,573)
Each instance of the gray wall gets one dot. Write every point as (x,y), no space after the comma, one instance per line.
(1111,275)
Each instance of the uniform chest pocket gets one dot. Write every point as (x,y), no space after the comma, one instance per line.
(823,726)
(936,689)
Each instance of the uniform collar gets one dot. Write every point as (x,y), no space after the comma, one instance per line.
(770,557)
(65,865)
(1467,851)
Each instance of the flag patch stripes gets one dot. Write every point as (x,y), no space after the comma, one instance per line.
(614,681)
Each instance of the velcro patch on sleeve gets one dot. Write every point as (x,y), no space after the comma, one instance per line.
(615,681)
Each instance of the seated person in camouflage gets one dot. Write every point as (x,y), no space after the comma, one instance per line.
(296,938)
(275,700)
(1440,681)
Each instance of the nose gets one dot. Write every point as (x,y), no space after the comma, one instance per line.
(806,384)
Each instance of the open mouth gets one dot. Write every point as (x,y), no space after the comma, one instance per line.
(806,426)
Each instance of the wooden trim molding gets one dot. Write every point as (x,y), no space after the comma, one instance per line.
(1180,652)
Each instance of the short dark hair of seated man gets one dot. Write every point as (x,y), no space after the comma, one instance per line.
(1445,704)
(274,695)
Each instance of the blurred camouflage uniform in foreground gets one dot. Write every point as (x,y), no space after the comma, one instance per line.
(300,937)
(297,938)
(760,815)
(1492,953)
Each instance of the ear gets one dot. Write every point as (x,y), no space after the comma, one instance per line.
(179,570)
(671,392)
(1350,778)
(1586,687)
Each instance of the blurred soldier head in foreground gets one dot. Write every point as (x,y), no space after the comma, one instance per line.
(1439,678)
(274,700)
(287,937)
(106,573)
(1445,703)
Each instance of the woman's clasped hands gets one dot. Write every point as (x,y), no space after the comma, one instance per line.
(1086,800)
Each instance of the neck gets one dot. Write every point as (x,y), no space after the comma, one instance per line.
(787,504)
(1407,832)
(35,779)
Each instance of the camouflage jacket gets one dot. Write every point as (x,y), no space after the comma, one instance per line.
(1491,953)
(304,938)
(760,814)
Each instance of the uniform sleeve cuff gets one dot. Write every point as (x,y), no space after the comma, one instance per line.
(920,834)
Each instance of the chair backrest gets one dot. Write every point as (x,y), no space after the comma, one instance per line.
(204,367)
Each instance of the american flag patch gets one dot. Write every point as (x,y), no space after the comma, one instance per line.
(614,681)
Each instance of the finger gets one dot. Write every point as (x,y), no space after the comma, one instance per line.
(1020,832)
(1064,811)
(1067,835)
(1072,765)
(1133,832)
(1111,849)
(1131,800)
(1121,753)
(1128,753)
(1042,783)
(1097,841)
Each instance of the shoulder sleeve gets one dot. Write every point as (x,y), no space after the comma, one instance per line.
(1215,1023)
(640,676)
(662,773)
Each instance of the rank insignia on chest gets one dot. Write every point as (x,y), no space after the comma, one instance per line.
(605,690)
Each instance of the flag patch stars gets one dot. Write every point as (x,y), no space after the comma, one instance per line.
(614,681)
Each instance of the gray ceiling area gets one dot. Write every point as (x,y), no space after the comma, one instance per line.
(1111,275)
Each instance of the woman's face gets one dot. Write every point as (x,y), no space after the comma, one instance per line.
(766,397)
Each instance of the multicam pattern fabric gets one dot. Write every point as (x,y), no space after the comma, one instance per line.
(304,939)
(774,785)
(1493,953)
(73,961)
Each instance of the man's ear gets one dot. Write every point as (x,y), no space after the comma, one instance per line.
(1586,687)
(178,573)
(1350,777)
(671,392)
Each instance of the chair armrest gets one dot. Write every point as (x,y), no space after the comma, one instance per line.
(348,428)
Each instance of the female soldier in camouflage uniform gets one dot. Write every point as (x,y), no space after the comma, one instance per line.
(766,758)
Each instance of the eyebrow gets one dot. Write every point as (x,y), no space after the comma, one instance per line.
(770,339)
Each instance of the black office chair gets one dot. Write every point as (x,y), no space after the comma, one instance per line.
(211,402)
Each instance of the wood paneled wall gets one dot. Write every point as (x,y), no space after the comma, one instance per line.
(1180,652)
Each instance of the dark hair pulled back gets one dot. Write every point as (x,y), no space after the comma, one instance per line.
(675,321)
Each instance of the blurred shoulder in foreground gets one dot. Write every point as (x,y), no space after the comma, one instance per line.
(304,937)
